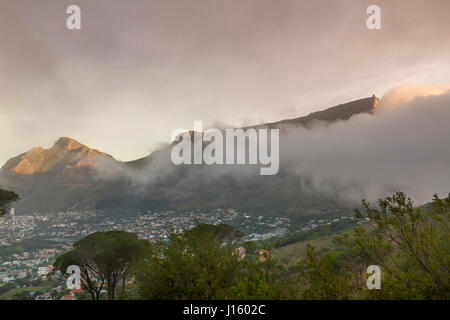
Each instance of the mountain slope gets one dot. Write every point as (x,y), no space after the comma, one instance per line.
(71,175)
(65,154)
(61,177)
(340,112)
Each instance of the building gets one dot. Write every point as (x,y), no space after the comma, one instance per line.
(240,253)
(69,296)
(44,296)
(43,271)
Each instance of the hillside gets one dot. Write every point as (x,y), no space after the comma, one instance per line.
(71,175)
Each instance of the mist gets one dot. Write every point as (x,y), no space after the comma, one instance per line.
(402,146)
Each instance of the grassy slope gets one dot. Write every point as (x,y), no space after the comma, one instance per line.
(291,254)
(8,295)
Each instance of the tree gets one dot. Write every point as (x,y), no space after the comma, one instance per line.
(420,264)
(324,276)
(202,264)
(223,233)
(91,280)
(355,250)
(197,264)
(6,198)
(104,258)
(263,278)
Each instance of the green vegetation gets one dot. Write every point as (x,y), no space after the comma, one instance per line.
(31,244)
(292,254)
(6,198)
(203,264)
(320,231)
(409,244)
(23,293)
(104,258)
(24,289)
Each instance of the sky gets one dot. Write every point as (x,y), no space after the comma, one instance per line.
(137,70)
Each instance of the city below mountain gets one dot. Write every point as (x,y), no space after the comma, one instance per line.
(70,175)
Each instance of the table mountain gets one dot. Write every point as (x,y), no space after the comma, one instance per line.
(71,175)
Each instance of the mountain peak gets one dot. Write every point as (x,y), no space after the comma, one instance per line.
(68,144)
(66,153)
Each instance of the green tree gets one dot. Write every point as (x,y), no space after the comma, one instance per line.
(202,264)
(104,258)
(355,250)
(263,278)
(6,198)
(419,264)
(222,233)
(324,276)
(197,264)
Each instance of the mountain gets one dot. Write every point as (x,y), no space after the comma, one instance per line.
(65,154)
(71,175)
(340,112)
(51,179)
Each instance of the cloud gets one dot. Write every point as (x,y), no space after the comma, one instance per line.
(136,72)
(407,92)
(404,146)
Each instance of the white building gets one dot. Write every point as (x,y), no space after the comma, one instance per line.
(43,271)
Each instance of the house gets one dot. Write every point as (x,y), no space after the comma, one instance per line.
(76,291)
(69,296)
(44,296)
(42,271)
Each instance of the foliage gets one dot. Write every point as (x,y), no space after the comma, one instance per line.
(420,262)
(263,278)
(409,244)
(6,198)
(104,258)
(319,231)
(200,264)
(324,276)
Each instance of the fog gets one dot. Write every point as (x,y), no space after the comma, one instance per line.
(402,146)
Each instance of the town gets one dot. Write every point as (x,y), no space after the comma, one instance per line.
(30,243)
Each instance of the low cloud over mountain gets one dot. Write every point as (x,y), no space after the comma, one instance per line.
(403,145)
(366,148)
(397,143)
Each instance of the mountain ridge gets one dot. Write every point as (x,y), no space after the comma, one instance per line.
(342,111)
(66,176)
(65,150)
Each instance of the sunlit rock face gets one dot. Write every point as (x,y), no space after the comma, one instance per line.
(63,176)
(66,153)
